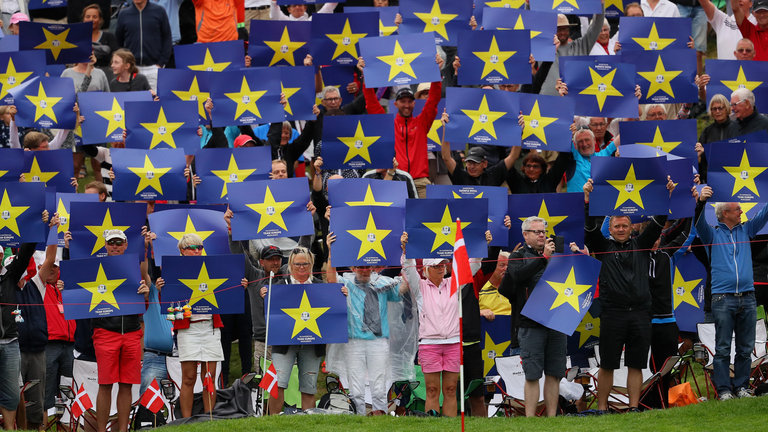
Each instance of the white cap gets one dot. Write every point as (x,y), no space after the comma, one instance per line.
(431,262)
(114,234)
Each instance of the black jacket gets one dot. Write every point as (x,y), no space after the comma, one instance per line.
(623,281)
(146,33)
(520,184)
(290,152)
(8,288)
(753,123)
(523,273)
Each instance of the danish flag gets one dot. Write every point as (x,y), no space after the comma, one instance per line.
(269,382)
(152,399)
(208,383)
(82,402)
(461,273)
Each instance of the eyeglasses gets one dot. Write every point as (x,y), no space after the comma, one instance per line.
(332,99)
(115,242)
(194,247)
(744,50)
(301,265)
(738,103)
(537,232)
(717,108)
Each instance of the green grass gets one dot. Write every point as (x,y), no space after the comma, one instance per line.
(744,415)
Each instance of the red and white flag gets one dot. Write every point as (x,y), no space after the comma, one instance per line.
(208,383)
(269,382)
(461,273)
(152,399)
(82,403)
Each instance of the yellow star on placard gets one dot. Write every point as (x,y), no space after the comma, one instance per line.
(44,104)
(629,188)
(189,228)
(653,41)
(3,172)
(435,20)
(98,231)
(444,229)
(63,217)
(38,176)
(55,42)
(284,48)
(209,65)
(359,144)
(745,208)
(660,79)
(480,195)
(11,78)
(346,41)
(399,61)
(491,351)
(369,200)
(246,99)
(433,135)
(194,94)
(618,4)
(9,213)
(659,144)
(203,287)
(535,123)
(683,290)
(557,3)
(370,238)
(744,175)
(288,92)
(509,4)
(115,116)
(162,130)
(483,118)
(552,221)
(494,59)
(589,326)
(305,316)
(385,30)
(741,82)
(149,176)
(568,292)
(271,211)
(102,289)
(519,25)
(601,87)
(232,174)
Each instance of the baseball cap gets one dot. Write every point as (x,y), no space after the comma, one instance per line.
(115,234)
(244,140)
(271,252)
(760,4)
(404,92)
(431,262)
(476,154)
(18,17)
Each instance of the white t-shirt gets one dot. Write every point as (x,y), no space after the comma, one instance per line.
(727,32)
(664,9)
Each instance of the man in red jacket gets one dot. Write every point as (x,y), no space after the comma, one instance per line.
(410,132)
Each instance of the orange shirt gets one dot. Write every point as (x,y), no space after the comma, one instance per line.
(216,20)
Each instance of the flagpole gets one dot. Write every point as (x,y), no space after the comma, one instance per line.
(461,335)
(266,336)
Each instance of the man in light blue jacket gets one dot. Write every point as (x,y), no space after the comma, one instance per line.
(733,291)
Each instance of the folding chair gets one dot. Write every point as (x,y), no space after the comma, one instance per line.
(618,400)
(511,371)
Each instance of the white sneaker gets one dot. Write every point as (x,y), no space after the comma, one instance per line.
(744,393)
(724,396)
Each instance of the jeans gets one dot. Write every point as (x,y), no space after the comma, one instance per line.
(58,363)
(698,25)
(368,362)
(733,314)
(152,367)
(10,359)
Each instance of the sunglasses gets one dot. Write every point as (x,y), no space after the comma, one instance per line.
(115,242)
(194,247)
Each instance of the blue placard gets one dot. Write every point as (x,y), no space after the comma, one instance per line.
(149,174)
(162,125)
(210,57)
(45,4)
(89,221)
(270,209)
(279,43)
(568,7)
(17,68)
(208,284)
(307,314)
(443,18)
(616,8)
(185,85)
(367,236)
(495,341)
(494,57)
(366,192)
(737,172)
(726,76)
(62,43)
(246,97)
(665,76)
(335,36)
(629,186)
(600,86)
(431,227)
(542,25)
(681,203)
(564,292)
(497,205)
(387,26)
(45,103)
(101,287)
(298,86)
(51,168)
(750,209)
(581,344)
(564,213)
(653,34)
(481,5)
(63,207)
(546,122)
(689,279)
(104,114)
(170,225)
(21,210)
(11,164)
(399,60)
(358,141)
(677,137)
(339,76)
(218,168)
(482,116)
